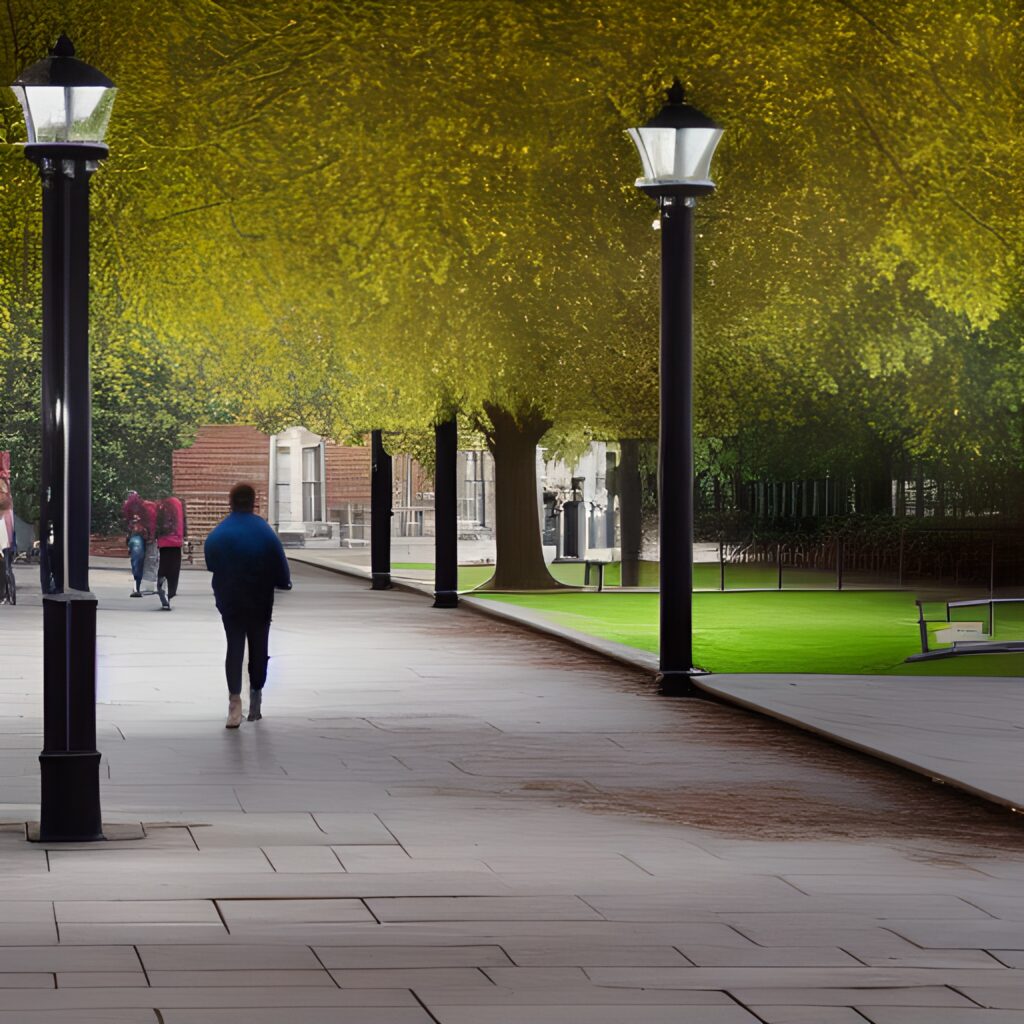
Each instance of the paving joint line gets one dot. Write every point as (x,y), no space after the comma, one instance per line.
(692,963)
(142,965)
(369,909)
(739,1002)
(953,988)
(423,1006)
(220,913)
(316,956)
(639,867)
(401,846)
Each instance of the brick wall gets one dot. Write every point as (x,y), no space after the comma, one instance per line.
(348,477)
(220,457)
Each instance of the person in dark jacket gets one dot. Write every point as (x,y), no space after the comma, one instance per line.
(248,562)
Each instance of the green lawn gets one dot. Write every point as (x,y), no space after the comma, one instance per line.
(777,631)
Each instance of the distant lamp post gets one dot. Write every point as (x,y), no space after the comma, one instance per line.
(446,514)
(381,502)
(67,105)
(675,149)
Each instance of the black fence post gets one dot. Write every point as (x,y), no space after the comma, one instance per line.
(903,532)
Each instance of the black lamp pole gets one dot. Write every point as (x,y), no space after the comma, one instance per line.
(69,762)
(675,448)
(446,515)
(676,147)
(381,497)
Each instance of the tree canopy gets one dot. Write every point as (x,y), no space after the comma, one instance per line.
(373,215)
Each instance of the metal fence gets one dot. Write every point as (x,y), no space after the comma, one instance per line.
(956,559)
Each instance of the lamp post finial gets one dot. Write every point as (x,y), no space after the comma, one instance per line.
(676,94)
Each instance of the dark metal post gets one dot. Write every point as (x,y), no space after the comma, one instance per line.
(51,478)
(381,497)
(446,518)
(69,762)
(840,555)
(778,562)
(630,515)
(675,449)
(903,539)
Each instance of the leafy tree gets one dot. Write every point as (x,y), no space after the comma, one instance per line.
(376,214)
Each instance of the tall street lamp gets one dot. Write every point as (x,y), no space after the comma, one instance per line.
(675,149)
(67,106)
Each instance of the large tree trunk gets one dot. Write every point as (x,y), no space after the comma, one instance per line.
(630,512)
(513,439)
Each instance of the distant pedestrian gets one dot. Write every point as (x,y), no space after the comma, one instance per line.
(8,592)
(248,562)
(171,529)
(135,518)
(151,561)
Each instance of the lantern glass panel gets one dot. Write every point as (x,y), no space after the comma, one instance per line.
(56,113)
(676,154)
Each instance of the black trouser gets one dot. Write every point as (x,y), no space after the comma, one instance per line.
(7,591)
(239,627)
(170,568)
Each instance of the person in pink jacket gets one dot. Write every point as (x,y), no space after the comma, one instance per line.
(170,535)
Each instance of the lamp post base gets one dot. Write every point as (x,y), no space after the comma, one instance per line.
(446,599)
(381,581)
(675,683)
(70,797)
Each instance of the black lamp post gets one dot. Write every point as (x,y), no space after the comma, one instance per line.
(67,106)
(675,148)
(381,498)
(446,514)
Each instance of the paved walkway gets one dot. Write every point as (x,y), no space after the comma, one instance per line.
(445,819)
(962,730)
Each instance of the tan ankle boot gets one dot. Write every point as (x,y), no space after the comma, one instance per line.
(234,712)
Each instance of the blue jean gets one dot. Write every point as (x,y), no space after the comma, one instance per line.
(137,553)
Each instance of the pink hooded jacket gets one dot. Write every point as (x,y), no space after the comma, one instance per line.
(170,523)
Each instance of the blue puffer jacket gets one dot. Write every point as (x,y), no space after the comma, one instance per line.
(247,561)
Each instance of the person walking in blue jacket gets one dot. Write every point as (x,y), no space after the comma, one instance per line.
(248,562)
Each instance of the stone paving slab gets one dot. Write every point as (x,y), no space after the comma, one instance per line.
(444,819)
(959,730)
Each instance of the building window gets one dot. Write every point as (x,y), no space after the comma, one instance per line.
(473,490)
(284,487)
(312,486)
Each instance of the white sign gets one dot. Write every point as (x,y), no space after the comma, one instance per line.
(962,633)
